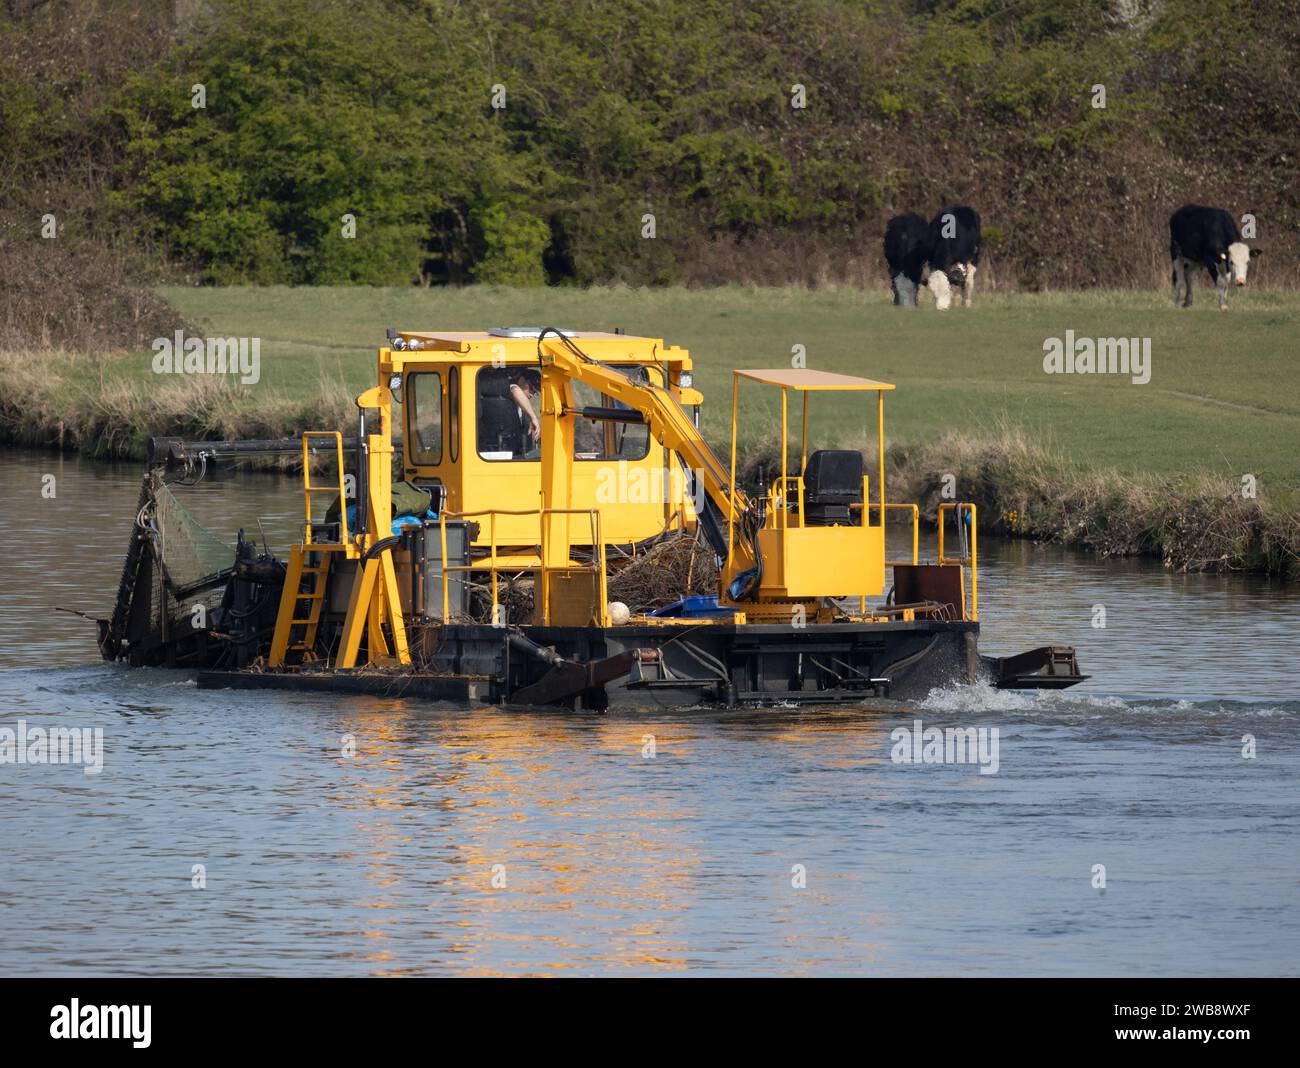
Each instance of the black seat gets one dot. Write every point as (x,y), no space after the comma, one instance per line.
(832,483)
(499,428)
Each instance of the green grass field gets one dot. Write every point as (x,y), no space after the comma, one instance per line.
(1223,399)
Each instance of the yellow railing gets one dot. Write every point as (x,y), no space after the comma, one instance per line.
(493,568)
(864,506)
(308,489)
(916,534)
(971,559)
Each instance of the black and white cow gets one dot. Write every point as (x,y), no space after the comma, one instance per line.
(955,244)
(906,251)
(1209,238)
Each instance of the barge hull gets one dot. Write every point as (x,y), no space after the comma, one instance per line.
(669,665)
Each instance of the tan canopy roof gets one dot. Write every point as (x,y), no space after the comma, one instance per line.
(802,378)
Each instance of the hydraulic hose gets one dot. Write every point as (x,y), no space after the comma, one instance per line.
(380,546)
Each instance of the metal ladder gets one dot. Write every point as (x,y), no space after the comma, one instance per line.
(292,597)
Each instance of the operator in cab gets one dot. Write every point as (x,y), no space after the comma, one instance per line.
(508,427)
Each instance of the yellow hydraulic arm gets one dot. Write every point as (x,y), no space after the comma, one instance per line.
(668,422)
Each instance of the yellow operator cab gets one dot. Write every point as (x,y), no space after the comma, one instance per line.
(471,430)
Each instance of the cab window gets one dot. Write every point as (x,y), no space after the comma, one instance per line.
(424,415)
(453,413)
(605,439)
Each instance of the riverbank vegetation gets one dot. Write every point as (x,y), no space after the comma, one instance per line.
(1024,488)
(531,142)
(308,172)
(1091,460)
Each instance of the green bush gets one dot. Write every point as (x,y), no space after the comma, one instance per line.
(513,243)
(331,135)
(376,119)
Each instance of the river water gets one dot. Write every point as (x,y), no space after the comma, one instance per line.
(450,841)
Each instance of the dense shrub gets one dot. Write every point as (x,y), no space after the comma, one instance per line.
(382,112)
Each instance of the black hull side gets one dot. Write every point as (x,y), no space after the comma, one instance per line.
(672,665)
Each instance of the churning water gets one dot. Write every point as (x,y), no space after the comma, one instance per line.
(773,841)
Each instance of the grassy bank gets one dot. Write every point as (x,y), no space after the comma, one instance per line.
(1089,459)
(1025,489)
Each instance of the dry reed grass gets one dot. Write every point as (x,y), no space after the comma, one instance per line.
(1025,489)
(1022,488)
(51,399)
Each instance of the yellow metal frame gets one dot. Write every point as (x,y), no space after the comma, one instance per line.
(374,601)
(308,489)
(916,533)
(475,484)
(866,559)
(971,561)
(541,566)
(290,595)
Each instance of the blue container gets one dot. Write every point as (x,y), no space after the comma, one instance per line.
(697,606)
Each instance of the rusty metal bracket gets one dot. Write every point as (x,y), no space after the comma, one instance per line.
(1050,667)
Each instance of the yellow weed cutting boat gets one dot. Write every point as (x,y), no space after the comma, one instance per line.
(465,548)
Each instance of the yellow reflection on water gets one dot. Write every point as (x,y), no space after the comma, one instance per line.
(548,841)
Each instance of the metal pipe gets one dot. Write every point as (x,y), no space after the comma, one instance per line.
(446,594)
(880,450)
(171,451)
(803,458)
(974,567)
(306,492)
(602,581)
(543,574)
(608,415)
(731,504)
(492,561)
(784,450)
(363,478)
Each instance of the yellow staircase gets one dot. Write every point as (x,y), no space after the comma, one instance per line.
(308,558)
(374,602)
(292,601)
